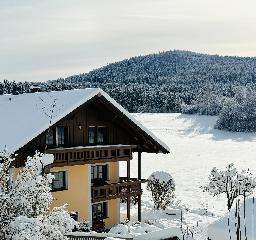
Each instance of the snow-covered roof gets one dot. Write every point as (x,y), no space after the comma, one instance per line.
(25,116)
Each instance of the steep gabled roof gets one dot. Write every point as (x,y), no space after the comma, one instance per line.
(24,117)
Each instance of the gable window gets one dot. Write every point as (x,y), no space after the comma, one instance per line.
(99,172)
(60,136)
(97,135)
(101,135)
(99,211)
(91,135)
(50,137)
(60,181)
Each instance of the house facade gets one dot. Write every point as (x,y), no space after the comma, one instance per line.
(89,137)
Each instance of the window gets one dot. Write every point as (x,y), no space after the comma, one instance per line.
(99,211)
(99,172)
(57,136)
(91,135)
(60,181)
(49,137)
(97,135)
(60,138)
(102,135)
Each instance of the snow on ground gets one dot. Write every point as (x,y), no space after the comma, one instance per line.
(218,230)
(195,149)
(144,231)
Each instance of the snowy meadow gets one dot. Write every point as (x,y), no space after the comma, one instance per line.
(196,147)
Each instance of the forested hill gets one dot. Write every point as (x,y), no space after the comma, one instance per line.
(159,82)
(165,67)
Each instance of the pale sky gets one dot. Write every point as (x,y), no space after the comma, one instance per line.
(48,39)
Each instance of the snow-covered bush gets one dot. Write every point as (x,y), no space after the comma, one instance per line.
(162,187)
(239,114)
(206,103)
(231,183)
(25,202)
(84,226)
(51,226)
(189,108)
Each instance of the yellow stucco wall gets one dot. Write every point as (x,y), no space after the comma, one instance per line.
(77,196)
(113,204)
(113,212)
(113,172)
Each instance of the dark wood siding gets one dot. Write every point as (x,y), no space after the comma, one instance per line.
(76,125)
(96,112)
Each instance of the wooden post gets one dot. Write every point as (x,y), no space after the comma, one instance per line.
(139,208)
(139,165)
(128,170)
(139,177)
(128,187)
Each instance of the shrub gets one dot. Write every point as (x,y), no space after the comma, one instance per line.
(239,114)
(162,187)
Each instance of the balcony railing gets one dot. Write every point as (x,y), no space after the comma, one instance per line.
(91,154)
(124,188)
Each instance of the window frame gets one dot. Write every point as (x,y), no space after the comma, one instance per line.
(103,212)
(64,180)
(104,135)
(104,172)
(96,135)
(62,136)
(47,137)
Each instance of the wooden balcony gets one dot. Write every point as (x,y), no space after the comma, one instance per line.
(124,188)
(91,154)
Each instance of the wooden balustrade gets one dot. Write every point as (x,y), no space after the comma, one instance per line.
(123,188)
(91,154)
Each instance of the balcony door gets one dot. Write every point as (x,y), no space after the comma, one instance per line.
(99,211)
(99,174)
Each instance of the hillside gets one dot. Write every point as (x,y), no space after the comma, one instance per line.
(196,147)
(159,82)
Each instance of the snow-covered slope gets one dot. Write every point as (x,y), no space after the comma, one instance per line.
(196,149)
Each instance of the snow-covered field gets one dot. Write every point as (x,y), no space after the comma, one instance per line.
(195,149)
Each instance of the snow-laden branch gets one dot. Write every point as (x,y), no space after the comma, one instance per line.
(25,201)
(230,182)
